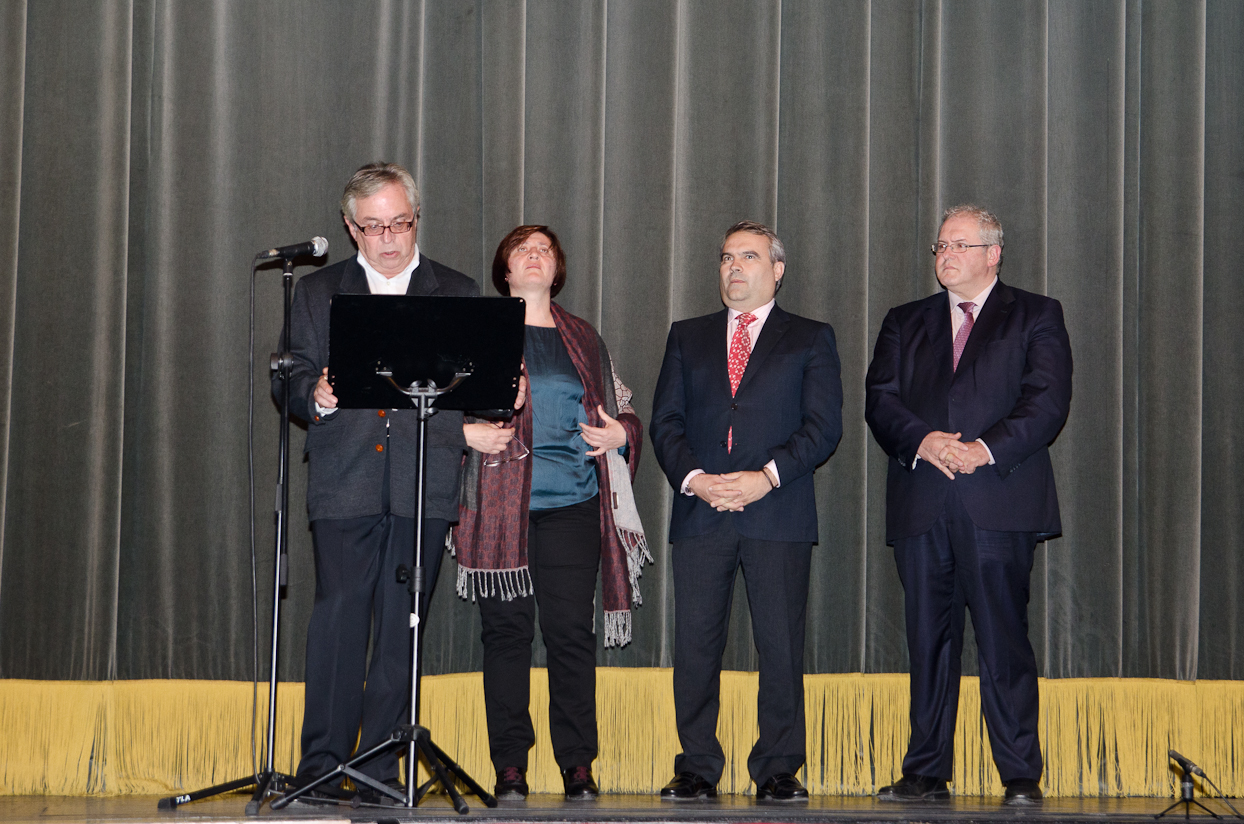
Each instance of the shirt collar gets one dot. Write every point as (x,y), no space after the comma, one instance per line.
(761,313)
(978,301)
(375,277)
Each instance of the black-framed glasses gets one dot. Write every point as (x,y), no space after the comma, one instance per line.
(957,247)
(397,227)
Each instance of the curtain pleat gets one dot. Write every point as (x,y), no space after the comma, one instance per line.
(149,148)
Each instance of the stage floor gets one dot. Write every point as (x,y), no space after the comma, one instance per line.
(612,808)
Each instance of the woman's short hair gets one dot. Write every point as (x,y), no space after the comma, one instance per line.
(516,237)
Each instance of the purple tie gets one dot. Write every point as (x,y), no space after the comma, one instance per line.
(961,339)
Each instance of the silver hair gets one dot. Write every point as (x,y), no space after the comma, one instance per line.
(371,179)
(986,221)
(777,251)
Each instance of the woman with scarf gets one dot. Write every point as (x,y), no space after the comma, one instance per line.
(535,529)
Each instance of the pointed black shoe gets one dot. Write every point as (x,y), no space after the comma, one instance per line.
(687,786)
(579,784)
(782,788)
(511,784)
(915,788)
(1022,792)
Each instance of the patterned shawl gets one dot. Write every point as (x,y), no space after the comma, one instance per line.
(490,540)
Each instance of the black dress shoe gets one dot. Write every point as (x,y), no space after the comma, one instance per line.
(579,784)
(370,795)
(688,786)
(1022,792)
(782,788)
(325,793)
(915,788)
(511,784)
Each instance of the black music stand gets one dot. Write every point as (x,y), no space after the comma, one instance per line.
(433,353)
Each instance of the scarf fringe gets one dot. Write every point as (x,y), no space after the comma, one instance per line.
(637,553)
(487,583)
(617,628)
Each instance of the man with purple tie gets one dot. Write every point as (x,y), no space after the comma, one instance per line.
(965,392)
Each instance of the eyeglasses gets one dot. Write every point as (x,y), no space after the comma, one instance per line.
(542,251)
(958,247)
(397,227)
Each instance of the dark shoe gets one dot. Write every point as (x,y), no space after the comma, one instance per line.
(511,784)
(915,788)
(688,786)
(579,784)
(326,793)
(370,795)
(782,788)
(1022,792)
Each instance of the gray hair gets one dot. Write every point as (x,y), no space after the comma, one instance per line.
(986,221)
(371,179)
(777,251)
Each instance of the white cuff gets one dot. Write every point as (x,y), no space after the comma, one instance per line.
(772,467)
(686,482)
(987,450)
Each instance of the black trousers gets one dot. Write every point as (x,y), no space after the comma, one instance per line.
(563,554)
(952,566)
(357,593)
(776,575)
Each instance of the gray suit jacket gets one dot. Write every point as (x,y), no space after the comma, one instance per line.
(346,471)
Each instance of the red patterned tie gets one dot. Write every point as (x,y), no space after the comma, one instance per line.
(736,365)
(961,339)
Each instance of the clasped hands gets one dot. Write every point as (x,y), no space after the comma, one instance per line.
(731,491)
(950,455)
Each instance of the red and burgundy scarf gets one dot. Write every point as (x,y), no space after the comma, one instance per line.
(490,540)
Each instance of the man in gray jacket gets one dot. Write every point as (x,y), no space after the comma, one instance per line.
(361,486)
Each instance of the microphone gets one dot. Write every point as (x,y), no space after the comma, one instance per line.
(315,247)
(1186,765)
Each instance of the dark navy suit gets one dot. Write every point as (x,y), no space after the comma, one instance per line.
(969,542)
(788,409)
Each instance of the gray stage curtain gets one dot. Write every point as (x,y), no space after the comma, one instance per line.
(148,149)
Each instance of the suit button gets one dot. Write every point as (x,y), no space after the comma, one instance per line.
(723,444)
(734,406)
(379,447)
(380,413)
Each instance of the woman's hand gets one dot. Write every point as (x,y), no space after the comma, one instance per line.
(488,438)
(610,436)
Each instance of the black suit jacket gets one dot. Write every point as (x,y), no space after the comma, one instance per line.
(1012,390)
(346,472)
(788,409)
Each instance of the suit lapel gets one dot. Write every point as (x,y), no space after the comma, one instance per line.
(423,280)
(937,328)
(717,347)
(770,334)
(354,280)
(997,306)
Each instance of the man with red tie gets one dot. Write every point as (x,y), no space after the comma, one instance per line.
(965,391)
(748,404)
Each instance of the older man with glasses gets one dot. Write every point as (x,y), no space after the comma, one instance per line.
(965,392)
(361,487)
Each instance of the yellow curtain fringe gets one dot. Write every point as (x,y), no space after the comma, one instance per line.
(1101,736)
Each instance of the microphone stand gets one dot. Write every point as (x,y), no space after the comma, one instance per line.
(1186,796)
(269,782)
(414,738)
